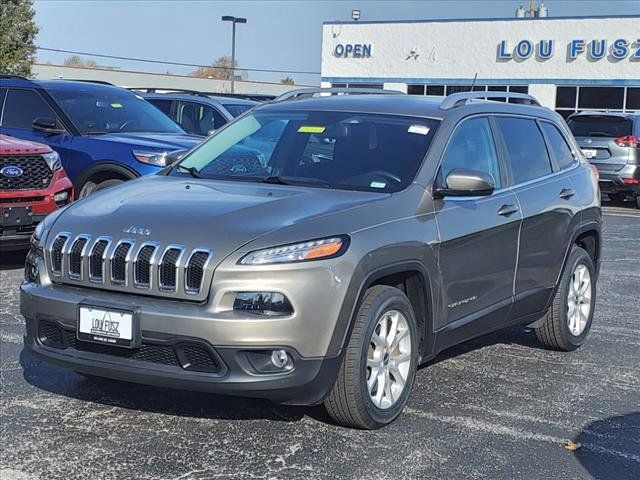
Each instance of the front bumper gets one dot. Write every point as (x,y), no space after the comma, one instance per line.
(307,383)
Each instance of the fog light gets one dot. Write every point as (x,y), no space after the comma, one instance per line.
(263,303)
(61,196)
(270,361)
(279,358)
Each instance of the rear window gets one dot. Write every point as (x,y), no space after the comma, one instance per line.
(237,109)
(600,126)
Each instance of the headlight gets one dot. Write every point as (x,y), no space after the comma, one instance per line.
(53,160)
(298,252)
(159,159)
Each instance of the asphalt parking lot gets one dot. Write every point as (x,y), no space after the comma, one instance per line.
(496,407)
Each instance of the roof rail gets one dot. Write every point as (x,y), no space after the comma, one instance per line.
(100,82)
(462,98)
(164,90)
(302,93)
(17,77)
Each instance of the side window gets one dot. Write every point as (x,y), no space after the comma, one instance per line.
(199,119)
(558,146)
(22,107)
(163,105)
(472,147)
(526,148)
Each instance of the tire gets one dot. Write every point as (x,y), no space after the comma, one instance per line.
(618,197)
(556,332)
(350,403)
(638,202)
(89,187)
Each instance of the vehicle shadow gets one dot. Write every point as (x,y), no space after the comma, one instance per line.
(160,400)
(12,259)
(610,448)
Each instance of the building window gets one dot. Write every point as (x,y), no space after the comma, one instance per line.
(570,100)
(601,97)
(415,89)
(435,90)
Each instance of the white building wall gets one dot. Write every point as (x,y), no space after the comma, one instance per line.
(157,80)
(446,50)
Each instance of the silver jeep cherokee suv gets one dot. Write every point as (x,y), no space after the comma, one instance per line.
(321,249)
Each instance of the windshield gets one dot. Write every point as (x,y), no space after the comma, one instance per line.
(342,150)
(600,126)
(237,109)
(96,111)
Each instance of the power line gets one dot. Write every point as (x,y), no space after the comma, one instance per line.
(163,62)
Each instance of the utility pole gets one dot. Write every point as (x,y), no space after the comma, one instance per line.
(233,20)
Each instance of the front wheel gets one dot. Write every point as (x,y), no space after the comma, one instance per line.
(380,362)
(91,187)
(568,322)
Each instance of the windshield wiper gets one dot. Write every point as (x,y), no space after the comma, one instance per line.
(278,180)
(193,171)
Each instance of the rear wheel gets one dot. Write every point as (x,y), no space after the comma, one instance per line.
(568,322)
(380,362)
(638,201)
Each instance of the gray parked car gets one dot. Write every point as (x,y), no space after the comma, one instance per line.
(611,142)
(373,232)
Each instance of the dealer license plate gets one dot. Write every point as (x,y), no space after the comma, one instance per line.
(589,152)
(107,326)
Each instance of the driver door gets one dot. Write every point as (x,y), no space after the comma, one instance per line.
(478,237)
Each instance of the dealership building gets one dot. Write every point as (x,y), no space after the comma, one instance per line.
(568,63)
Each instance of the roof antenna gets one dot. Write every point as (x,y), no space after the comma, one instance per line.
(473,84)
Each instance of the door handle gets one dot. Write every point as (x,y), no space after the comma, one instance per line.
(567,193)
(507,210)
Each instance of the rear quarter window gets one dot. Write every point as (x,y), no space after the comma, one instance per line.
(558,146)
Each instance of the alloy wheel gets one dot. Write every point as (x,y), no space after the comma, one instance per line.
(579,300)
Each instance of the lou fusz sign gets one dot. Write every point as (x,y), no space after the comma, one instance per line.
(617,49)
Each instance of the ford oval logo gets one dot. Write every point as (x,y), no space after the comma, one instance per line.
(11,171)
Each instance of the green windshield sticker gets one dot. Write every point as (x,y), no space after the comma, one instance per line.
(378,185)
(116,105)
(310,129)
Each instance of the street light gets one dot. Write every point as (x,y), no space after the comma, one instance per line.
(234,20)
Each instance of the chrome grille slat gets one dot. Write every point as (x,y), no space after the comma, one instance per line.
(126,265)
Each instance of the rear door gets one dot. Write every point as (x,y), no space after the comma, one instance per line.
(597,134)
(548,201)
(478,236)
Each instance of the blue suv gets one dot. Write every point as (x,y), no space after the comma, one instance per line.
(105,135)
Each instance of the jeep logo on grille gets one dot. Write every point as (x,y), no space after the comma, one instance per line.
(11,171)
(137,230)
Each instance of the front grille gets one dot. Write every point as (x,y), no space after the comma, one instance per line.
(75,257)
(119,263)
(169,269)
(187,355)
(143,266)
(36,174)
(126,265)
(96,262)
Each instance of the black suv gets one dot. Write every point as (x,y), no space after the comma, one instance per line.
(321,249)
(611,142)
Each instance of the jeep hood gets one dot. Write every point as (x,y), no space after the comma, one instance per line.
(198,213)
(160,141)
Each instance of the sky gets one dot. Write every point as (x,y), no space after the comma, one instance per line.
(282,35)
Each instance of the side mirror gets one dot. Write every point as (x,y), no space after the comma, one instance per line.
(47,125)
(466,183)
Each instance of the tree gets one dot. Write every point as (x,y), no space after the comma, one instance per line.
(287,81)
(76,61)
(220,70)
(17,37)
